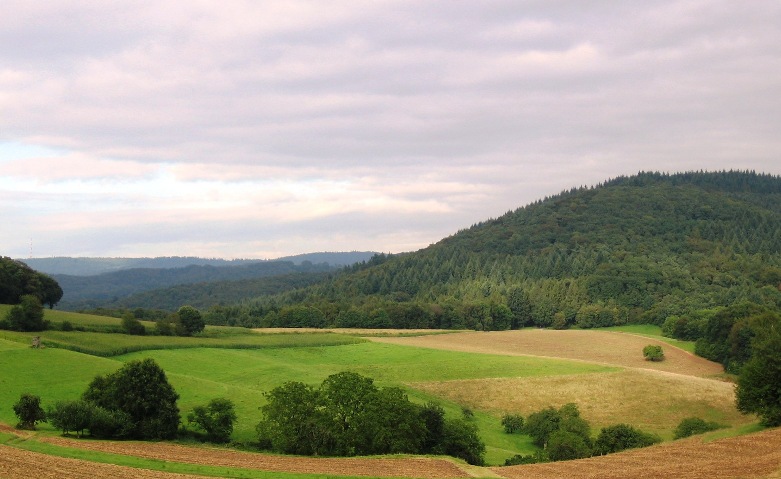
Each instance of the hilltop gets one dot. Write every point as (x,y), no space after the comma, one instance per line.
(632,249)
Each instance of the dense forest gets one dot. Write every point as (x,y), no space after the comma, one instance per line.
(672,250)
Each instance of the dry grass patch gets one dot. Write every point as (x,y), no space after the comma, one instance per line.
(606,347)
(651,400)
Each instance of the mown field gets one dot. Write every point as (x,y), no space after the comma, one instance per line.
(490,373)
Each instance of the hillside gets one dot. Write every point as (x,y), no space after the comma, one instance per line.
(633,249)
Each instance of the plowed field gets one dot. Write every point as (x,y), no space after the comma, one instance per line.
(606,347)
(401,467)
(751,456)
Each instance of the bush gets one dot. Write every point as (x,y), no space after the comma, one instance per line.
(693,425)
(622,436)
(565,445)
(216,419)
(29,412)
(71,416)
(462,440)
(133,326)
(141,390)
(653,352)
(105,424)
(512,423)
(27,315)
(191,321)
(519,460)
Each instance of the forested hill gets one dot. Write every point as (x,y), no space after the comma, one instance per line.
(633,249)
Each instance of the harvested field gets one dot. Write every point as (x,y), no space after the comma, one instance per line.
(751,456)
(603,398)
(605,347)
(372,467)
(15,463)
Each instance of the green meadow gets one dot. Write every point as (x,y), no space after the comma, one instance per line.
(242,365)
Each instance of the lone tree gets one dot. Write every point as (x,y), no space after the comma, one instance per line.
(141,390)
(29,411)
(653,352)
(759,383)
(191,320)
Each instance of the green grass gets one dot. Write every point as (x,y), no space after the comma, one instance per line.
(108,345)
(652,331)
(88,322)
(52,374)
(243,375)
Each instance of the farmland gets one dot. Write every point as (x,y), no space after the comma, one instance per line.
(490,373)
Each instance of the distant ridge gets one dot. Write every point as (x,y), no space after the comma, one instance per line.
(88,266)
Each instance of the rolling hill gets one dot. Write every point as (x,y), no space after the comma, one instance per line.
(632,249)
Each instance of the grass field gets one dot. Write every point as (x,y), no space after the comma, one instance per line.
(491,373)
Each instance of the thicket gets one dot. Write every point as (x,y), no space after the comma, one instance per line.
(348,415)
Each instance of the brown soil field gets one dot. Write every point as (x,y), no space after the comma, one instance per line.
(751,456)
(372,467)
(603,398)
(605,347)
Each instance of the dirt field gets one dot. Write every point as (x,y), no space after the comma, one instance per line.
(751,456)
(605,347)
(401,467)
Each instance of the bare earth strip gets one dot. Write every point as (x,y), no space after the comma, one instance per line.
(379,467)
(752,456)
(605,347)
(16,463)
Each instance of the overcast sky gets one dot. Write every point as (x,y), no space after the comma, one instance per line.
(258,129)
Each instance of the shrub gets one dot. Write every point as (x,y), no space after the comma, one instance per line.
(216,419)
(133,326)
(29,412)
(565,445)
(519,460)
(512,423)
(71,416)
(653,352)
(693,425)
(622,436)
(141,390)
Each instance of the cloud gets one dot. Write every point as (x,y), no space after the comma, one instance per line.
(409,119)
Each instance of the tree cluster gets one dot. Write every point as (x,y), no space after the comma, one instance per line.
(348,415)
(17,280)
(135,402)
(25,316)
(563,435)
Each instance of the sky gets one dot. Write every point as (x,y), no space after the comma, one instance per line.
(260,129)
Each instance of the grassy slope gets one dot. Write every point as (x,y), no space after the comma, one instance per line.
(243,375)
(201,373)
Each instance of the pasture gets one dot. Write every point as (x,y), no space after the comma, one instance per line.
(490,373)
